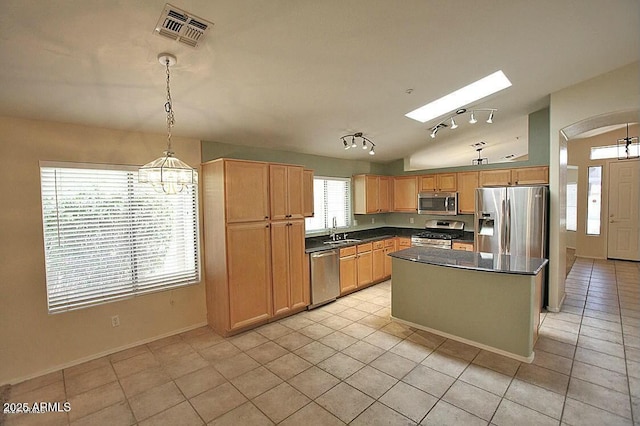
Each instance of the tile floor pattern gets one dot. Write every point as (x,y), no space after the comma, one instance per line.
(347,363)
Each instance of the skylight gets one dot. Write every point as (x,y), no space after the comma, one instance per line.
(470,93)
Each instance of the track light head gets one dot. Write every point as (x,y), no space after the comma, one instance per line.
(490,119)
(364,144)
(353,142)
(454,125)
(473,120)
(372,152)
(434,131)
(346,145)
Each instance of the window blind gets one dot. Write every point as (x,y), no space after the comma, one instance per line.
(107,237)
(331,198)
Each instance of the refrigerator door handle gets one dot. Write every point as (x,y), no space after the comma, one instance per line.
(508,227)
(503,212)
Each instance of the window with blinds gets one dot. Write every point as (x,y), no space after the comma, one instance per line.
(331,198)
(107,237)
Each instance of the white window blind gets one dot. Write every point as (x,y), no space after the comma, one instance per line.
(331,198)
(107,237)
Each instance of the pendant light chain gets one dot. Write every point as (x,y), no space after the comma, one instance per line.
(169,109)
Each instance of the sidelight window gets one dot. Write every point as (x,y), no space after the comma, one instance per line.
(594,200)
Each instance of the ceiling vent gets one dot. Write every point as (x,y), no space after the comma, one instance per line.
(182,26)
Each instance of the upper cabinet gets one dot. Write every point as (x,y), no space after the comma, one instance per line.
(405,194)
(500,177)
(467,184)
(246,191)
(446,182)
(517,176)
(286,183)
(371,194)
(530,176)
(307,193)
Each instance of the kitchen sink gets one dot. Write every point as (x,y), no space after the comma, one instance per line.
(341,242)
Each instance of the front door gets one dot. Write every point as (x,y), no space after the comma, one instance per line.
(623,237)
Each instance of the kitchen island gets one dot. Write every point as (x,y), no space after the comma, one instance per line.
(490,301)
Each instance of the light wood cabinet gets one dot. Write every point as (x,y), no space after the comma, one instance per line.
(348,270)
(378,261)
(371,194)
(307,193)
(246,191)
(405,194)
(467,184)
(286,191)
(287,264)
(254,267)
(530,176)
(364,260)
(497,177)
(446,182)
(249,283)
(515,176)
(403,243)
(389,247)
(465,246)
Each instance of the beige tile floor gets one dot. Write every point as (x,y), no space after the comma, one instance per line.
(347,363)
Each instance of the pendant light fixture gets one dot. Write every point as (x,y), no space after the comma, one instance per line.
(628,147)
(168,174)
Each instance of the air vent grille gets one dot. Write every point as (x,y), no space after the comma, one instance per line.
(182,26)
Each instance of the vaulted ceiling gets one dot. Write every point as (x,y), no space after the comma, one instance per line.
(296,75)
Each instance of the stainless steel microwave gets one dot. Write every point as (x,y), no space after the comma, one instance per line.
(438,203)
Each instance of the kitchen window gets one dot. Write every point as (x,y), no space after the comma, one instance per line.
(107,237)
(331,198)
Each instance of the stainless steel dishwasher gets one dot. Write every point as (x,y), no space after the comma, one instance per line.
(325,277)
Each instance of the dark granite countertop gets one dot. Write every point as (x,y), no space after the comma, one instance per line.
(313,244)
(486,262)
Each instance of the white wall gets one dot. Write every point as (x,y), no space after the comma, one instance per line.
(32,342)
(617,90)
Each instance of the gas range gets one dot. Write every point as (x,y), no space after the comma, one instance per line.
(439,234)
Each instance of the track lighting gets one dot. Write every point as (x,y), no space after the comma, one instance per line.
(452,124)
(354,144)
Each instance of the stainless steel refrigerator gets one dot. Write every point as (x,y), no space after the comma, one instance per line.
(512,220)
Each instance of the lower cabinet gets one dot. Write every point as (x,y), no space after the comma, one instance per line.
(348,270)
(378,260)
(459,245)
(288,266)
(365,264)
(249,282)
(364,260)
(389,247)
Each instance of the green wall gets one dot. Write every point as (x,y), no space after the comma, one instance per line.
(328,166)
(321,166)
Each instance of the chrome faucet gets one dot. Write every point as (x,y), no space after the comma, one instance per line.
(334,228)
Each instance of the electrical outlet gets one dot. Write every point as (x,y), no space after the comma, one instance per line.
(410,220)
(115,321)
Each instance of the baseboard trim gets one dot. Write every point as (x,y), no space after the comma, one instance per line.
(528,359)
(78,361)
